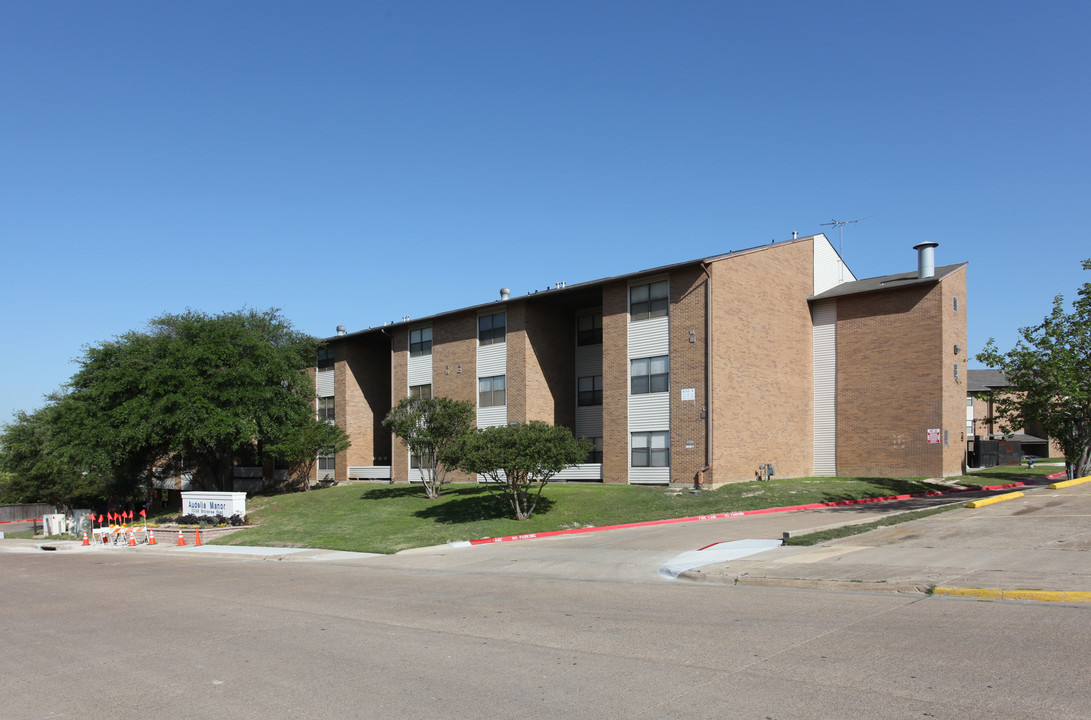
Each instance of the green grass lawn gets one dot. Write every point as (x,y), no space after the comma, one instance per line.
(389,518)
(1002,474)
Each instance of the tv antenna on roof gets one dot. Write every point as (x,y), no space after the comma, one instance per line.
(840,225)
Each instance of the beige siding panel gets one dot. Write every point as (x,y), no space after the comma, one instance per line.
(649,338)
(492,360)
(324,383)
(649,476)
(588,360)
(585,471)
(824,315)
(649,412)
(492,416)
(420,370)
(829,269)
(589,421)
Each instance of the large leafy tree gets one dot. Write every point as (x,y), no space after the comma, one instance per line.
(518,459)
(428,426)
(40,465)
(192,391)
(1049,371)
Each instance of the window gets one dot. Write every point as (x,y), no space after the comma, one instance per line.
(327,462)
(416,458)
(589,329)
(955,303)
(325,358)
(490,391)
(590,391)
(490,328)
(956,371)
(325,409)
(648,301)
(650,375)
(651,449)
(595,455)
(420,342)
(420,391)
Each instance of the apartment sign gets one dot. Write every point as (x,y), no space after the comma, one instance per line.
(214,503)
(933,436)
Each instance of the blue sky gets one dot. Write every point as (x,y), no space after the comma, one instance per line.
(355,162)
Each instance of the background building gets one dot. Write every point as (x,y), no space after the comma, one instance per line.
(776,355)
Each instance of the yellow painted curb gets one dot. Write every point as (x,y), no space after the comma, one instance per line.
(1069,483)
(1041,595)
(995,499)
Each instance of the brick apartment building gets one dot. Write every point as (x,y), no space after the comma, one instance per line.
(772,355)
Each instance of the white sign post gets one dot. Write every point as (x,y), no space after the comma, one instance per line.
(214,503)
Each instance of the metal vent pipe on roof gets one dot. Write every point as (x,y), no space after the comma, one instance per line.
(926,259)
(340,329)
(505,293)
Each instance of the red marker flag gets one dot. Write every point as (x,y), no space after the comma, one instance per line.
(109,516)
(99,519)
(129,515)
(142,514)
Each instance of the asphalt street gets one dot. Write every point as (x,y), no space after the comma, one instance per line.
(578,626)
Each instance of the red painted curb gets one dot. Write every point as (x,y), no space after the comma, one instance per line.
(738,513)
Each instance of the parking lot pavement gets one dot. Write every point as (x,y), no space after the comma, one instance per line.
(1039,542)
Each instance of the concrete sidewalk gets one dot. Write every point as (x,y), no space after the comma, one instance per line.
(1039,542)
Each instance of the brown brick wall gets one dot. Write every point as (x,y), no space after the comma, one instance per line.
(549,352)
(516,380)
(454,366)
(399,388)
(688,348)
(762,362)
(954,390)
(615,383)
(891,367)
(362,381)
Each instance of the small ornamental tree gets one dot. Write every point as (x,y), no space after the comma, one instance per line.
(1049,374)
(302,445)
(428,426)
(519,460)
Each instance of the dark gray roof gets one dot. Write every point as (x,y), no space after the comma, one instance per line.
(985,379)
(887,282)
(575,287)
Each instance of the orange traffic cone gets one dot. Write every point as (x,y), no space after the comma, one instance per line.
(198,538)
(181,540)
(151,538)
(85,540)
(132,538)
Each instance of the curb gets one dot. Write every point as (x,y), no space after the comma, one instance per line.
(721,516)
(996,594)
(801,584)
(994,500)
(1069,483)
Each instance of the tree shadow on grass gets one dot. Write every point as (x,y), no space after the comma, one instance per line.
(393,492)
(476,507)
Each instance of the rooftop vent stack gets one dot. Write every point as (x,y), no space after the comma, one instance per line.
(795,234)
(340,329)
(505,293)
(926,259)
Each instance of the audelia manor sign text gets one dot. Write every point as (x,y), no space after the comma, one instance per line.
(214,503)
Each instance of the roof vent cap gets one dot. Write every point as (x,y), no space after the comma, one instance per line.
(926,259)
